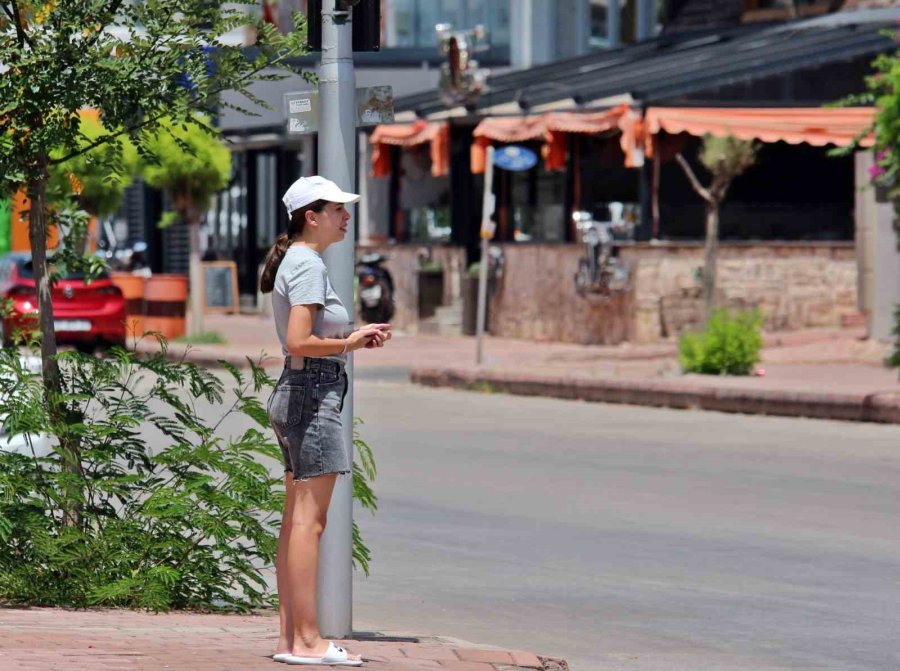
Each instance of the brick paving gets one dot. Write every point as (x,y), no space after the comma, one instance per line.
(112,640)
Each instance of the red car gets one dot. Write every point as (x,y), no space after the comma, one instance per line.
(85,315)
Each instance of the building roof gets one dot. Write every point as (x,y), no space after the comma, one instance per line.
(674,66)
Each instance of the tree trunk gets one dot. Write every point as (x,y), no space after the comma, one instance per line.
(195,323)
(37,233)
(69,448)
(709,263)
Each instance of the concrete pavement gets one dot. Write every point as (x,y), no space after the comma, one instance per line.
(824,373)
(626,538)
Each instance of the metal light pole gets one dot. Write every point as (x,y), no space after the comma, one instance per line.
(487,232)
(337,132)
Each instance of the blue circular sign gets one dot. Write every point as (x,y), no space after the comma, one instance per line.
(515,158)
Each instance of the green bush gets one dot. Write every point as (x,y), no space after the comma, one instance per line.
(204,338)
(730,345)
(893,361)
(142,502)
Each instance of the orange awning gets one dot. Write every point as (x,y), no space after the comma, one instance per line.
(550,127)
(815,126)
(505,130)
(411,135)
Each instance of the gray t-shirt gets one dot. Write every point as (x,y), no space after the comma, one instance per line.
(303,280)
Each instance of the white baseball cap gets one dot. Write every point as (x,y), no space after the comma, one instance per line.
(308,190)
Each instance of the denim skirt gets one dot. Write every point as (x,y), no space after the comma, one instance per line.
(305,411)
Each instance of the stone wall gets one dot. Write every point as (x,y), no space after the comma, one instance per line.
(795,285)
(535,299)
(403,264)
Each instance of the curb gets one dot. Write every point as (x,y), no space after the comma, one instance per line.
(855,407)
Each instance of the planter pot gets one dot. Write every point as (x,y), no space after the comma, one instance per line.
(431,292)
(165,302)
(132,287)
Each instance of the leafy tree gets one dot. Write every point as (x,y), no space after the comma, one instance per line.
(192,166)
(726,158)
(883,91)
(135,63)
(85,180)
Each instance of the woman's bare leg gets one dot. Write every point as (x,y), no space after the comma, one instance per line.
(286,622)
(308,516)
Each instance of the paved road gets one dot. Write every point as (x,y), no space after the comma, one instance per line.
(633,539)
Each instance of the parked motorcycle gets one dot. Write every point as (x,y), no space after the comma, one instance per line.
(121,256)
(376,289)
(601,272)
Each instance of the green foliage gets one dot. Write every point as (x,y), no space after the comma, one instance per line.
(165,59)
(69,257)
(882,91)
(893,361)
(135,64)
(885,89)
(190,162)
(205,338)
(166,509)
(727,157)
(170,512)
(95,181)
(363,475)
(730,345)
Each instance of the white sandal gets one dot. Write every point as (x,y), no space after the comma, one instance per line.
(334,656)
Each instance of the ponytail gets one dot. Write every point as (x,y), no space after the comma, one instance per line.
(285,240)
(273,260)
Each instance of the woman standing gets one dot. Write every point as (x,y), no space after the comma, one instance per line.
(305,409)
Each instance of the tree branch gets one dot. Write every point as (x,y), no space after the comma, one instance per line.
(109,136)
(692,178)
(111,14)
(17,19)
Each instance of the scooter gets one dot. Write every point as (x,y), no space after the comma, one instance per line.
(376,289)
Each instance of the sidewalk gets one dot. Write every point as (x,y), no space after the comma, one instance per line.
(824,373)
(107,640)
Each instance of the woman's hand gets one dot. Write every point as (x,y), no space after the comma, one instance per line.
(384,334)
(371,335)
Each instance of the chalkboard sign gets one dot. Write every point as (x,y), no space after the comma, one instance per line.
(220,293)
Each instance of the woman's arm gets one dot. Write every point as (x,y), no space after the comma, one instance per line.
(302,342)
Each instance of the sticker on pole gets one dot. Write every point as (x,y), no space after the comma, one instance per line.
(374,105)
(515,158)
